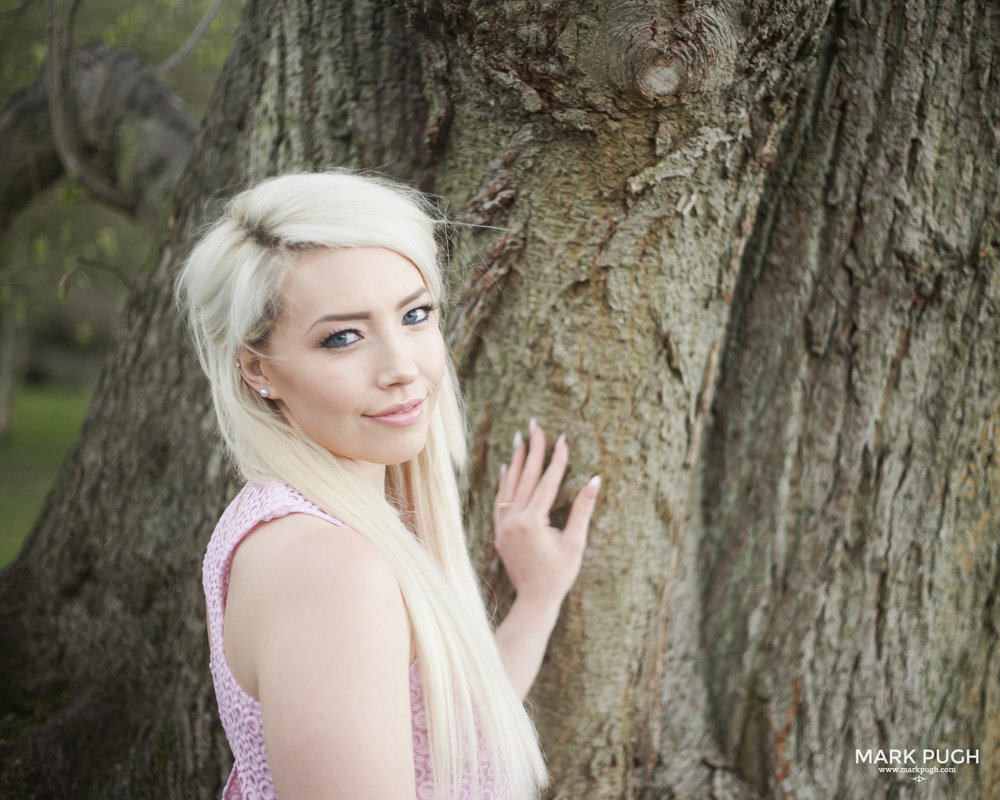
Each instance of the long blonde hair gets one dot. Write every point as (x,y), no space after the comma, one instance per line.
(230,288)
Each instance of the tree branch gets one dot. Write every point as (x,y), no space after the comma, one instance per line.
(65,118)
(192,41)
(132,125)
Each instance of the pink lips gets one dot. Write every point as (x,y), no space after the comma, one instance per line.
(399,415)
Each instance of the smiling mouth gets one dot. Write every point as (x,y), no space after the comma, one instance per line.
(399,415)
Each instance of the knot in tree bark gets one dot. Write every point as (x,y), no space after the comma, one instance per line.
(659,59)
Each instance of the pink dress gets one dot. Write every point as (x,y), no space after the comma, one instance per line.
(240,713)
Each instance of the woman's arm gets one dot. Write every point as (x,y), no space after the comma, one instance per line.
(541,561)
(316,629)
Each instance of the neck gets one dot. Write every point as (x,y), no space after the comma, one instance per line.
(372,474)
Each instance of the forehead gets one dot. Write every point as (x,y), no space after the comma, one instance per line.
(349,280)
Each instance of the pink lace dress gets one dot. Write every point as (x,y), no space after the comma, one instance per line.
(240,713)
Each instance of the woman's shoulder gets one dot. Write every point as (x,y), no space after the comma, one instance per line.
(300,585)
(253,506)
(302,560)
(261,502)
(298,545)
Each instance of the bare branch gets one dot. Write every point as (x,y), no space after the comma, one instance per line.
(131,126)
(80,262)
(193,40)
(65,119)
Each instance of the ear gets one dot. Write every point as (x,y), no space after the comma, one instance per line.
(254,375)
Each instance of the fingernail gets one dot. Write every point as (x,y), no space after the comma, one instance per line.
(503,470)
(532,424)
(517,440)
(594,484)
(561,439)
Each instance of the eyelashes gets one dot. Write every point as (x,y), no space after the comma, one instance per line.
(338,340)
(419,314)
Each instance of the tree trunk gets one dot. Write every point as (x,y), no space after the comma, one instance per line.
(10,364)
(849,564)
(741,253)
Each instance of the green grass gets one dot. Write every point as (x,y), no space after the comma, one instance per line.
(46,419)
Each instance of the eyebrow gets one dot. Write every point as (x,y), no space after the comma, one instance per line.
(366,315)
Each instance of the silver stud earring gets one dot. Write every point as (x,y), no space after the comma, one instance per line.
(265,393)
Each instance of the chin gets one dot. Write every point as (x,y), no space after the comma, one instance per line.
(402,457)
(405,451)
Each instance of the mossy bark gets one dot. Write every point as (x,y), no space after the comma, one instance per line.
(733,250)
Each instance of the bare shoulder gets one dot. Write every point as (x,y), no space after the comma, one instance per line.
(301,553)
(317,631)
(298,583)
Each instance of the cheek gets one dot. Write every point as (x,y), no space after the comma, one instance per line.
(435,364)
(316,393)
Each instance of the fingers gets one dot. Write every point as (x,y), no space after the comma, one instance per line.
(580,512)
(516,465)
(509,477)
(532,469)
(524,484)
(544,494)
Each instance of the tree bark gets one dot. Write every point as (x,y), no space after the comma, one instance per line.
(10,368)
(849,564)
(741,254)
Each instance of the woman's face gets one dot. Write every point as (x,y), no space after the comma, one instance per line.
(356,357)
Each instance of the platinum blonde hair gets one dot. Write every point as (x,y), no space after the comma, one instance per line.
(231,290)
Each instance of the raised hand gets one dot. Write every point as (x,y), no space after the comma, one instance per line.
(541,561)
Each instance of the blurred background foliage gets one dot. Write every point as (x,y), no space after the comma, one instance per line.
(67,262)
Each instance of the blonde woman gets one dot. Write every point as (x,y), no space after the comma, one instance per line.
(350,647)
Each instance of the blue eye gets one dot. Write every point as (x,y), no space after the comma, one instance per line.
(417,315)
(340,339)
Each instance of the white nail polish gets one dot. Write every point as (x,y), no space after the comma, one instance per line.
(517,440)
(595,482)
(532,424)
(561,439)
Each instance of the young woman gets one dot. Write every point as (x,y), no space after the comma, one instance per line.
(350,647)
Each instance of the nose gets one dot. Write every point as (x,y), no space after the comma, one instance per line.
(397,366)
